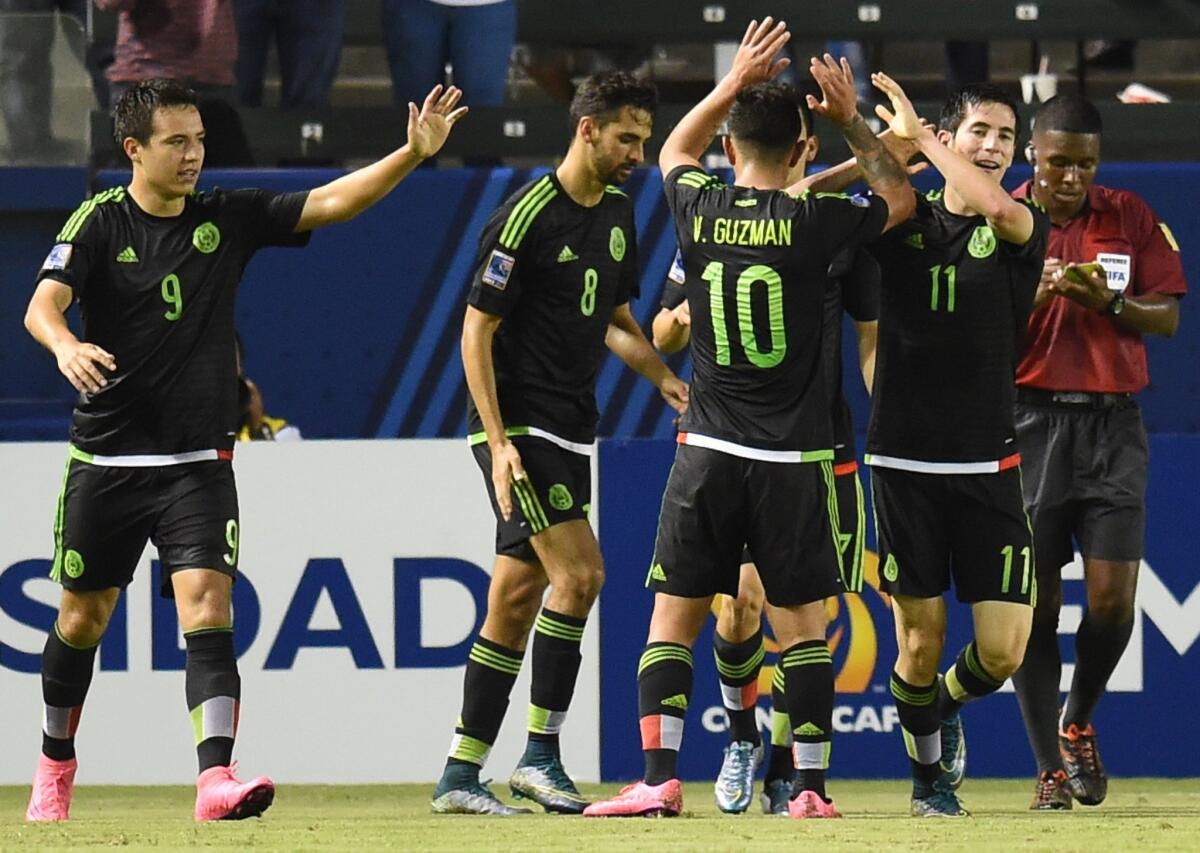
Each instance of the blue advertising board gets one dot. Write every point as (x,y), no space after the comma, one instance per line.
(1158,679)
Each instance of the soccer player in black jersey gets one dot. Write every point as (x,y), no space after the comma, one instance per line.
(754,466)
(556,268)
(155,268)
(738,645)
(958,285)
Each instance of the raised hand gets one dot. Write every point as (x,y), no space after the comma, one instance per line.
(902,119)
(753,61)
(429,127)
(839,100)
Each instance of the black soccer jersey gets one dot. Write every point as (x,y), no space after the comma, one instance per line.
(854,278)
(158,293)
(854,288)
(756,265)
(554,270)
(955,303)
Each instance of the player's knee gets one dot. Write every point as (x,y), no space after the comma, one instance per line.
(1110,606)
(921,650)
(583,587)
(82,627)
(1001,660)
(745,611)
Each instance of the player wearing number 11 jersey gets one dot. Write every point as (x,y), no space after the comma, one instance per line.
(755,461)
(958,285)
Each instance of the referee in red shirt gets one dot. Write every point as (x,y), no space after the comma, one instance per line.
(1080,432)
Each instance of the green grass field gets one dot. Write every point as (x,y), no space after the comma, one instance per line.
(1141,814)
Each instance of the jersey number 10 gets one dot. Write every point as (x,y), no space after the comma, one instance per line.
(714,274)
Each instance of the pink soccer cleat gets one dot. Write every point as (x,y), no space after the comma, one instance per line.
(641,800)
(809,804)
(220,796)
(53,785)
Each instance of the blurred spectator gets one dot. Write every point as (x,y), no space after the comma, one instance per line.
(190,41)
(474,36)
(27,78)
(308,40)
(254,424)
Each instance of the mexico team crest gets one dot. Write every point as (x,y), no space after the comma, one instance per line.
(206,238)
(616,243)
(983,242)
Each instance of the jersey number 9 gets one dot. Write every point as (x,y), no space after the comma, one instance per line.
(172,294)
(714,274)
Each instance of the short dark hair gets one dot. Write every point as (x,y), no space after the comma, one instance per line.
(766,115)
(969,97)
(603,95)
(1070,114)
(134,113)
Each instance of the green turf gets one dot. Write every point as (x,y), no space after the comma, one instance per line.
(1145,814)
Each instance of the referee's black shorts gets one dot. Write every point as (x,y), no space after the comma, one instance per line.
(1084,465)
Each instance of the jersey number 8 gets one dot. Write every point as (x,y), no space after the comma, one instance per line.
(714,274)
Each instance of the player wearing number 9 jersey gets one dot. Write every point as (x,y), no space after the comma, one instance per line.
(155,267)
(755,461)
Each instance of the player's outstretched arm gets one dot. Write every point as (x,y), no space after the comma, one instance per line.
(625,338)
(80,362)
(351,194)
(479,329)
(1010,219)
(753,63)
(839,104)
(672,328)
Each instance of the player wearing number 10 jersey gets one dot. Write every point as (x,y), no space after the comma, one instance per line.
(155,267)
(755,461)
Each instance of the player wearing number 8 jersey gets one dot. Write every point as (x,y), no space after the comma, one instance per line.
(556,269)
(155,267)
(958,285)
(754,465)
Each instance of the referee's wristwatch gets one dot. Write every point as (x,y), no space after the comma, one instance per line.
(1117,305)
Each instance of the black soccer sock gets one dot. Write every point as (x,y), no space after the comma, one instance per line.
(780,764)
(664,688)
(556,658)
(491,671)
(1037,691)
(66,676)
(1098,649)
(214,692)
(738,665)
(921,727)
(808,685)
(965,682)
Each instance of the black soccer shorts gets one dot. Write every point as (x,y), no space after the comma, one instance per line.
(1085,479)
(557,488)
(716,503)
(106,515)
(851,523)
(969,527)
